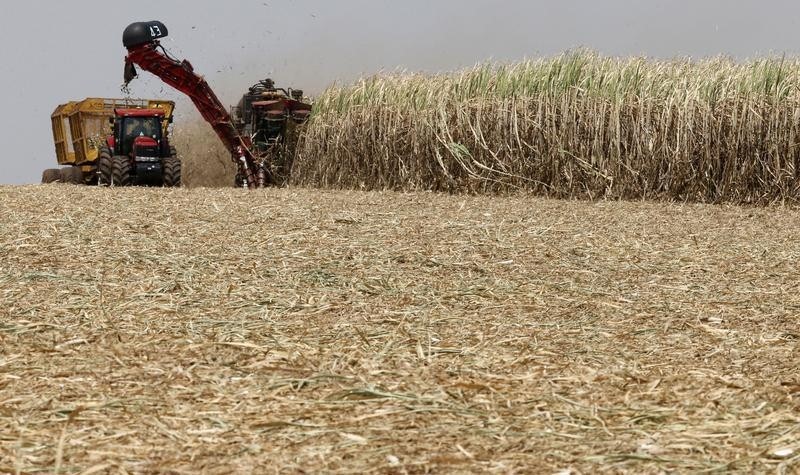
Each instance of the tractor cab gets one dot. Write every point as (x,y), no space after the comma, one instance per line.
(138,133)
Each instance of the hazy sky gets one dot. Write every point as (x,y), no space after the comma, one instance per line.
(56,51)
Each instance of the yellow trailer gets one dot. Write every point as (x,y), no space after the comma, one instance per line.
(80,129)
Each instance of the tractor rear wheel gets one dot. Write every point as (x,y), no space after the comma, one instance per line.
(172,172)
(104,166)
(121,171)
(51,175)
(72,175)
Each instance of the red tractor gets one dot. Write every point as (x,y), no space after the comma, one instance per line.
(138,151)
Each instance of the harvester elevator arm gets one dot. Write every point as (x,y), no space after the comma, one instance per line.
(145,51)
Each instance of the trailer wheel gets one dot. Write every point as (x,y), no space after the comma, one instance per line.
(51,175)
(72,175)
(104,166)
(121,171)
(172,172)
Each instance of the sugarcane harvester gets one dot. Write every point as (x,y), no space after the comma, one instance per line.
(145,51)
(272,117)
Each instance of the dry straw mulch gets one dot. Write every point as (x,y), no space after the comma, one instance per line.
(205,161)
(219,331)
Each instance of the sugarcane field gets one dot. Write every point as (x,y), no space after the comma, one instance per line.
(375,238)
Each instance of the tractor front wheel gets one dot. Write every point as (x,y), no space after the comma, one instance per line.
(172,172)
(121,171)
(104,163)
(51,175)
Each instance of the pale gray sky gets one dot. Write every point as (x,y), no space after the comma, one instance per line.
(55,51)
